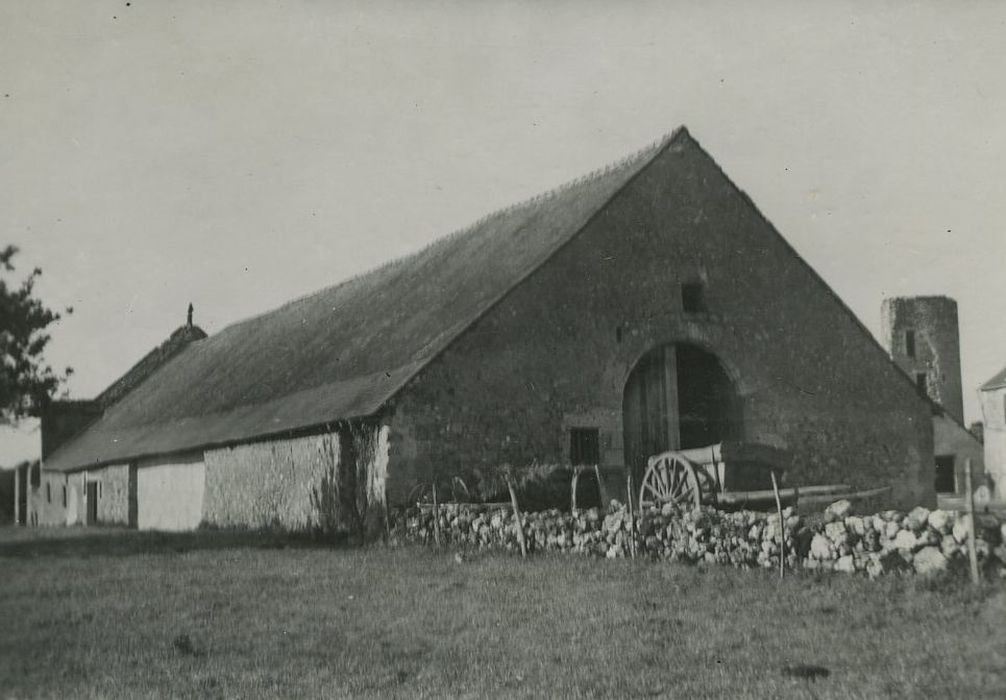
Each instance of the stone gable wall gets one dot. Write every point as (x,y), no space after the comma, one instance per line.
(557,350)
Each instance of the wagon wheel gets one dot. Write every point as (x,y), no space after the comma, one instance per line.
(670,478)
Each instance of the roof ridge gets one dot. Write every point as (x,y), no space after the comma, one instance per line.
(654,150)
(338,387)
(621,163)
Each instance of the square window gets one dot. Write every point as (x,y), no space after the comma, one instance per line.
(910,343)
(945,479)
(693,298)
(584,446)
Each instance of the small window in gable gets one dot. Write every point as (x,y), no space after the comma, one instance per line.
(693,297)
(584,446)
(910,343)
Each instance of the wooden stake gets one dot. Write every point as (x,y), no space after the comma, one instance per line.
(601,490)
(572,494)
(436,516)
(632,516)
(387,516)
(516,517)
(969,499)
(782,528)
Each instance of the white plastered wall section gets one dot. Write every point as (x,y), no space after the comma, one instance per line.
(994,416)
(170,493)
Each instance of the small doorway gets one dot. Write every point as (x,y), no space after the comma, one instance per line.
(946,480)
(677,397)
(92,503)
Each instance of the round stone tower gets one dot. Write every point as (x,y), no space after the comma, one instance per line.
(922,336)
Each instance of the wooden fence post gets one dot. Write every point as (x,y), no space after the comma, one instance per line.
(969,499)
(782,528)
(632,516)
(436,516)
(387,516)
(516,517)
(602,491)
(572,495)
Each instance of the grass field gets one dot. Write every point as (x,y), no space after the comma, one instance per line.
(127,614)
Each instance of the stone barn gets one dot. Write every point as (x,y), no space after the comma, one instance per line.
(643,307)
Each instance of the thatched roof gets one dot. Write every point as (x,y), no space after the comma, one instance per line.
(344,351)
(149,363)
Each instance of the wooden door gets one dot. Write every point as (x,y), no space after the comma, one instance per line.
(92,503)
(677,397)
(649,409)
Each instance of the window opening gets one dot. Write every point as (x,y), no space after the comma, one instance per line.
(584,446)
(693,297)
(920,381)
(910,343)
(945,479)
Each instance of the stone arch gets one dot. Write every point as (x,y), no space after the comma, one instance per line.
(677,396)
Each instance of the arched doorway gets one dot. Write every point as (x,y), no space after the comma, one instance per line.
(678,396)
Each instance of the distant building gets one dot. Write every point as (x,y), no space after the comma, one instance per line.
(645,307)
(993,398)
(922,335)
(58,499)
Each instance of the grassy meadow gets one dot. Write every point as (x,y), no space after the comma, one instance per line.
(101,613)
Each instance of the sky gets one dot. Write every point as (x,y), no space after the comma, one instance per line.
(237,155)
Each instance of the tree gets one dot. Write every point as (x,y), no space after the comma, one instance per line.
(26,380)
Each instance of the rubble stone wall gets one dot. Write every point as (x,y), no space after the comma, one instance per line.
(920,541)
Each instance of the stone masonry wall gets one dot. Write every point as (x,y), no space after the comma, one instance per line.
(46,507)
(333,482)
(556,351)
(937,351)
(46,503)
(113,497)
(920,541)
(269,484)
(950,438)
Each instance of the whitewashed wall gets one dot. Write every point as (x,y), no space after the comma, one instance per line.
(170,492)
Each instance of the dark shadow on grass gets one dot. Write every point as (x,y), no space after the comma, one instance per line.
(123,543)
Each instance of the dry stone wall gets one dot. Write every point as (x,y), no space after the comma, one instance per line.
(920,541)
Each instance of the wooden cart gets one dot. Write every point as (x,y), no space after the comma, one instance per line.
(730,474)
